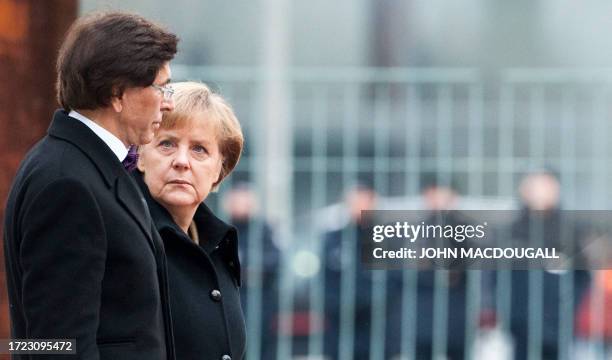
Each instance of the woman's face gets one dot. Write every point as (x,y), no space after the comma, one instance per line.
(181,165)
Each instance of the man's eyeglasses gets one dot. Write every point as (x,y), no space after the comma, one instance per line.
(167,91)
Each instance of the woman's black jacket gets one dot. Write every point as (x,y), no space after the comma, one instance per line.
(204,282)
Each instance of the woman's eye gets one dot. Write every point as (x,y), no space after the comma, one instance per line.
(165,144)
(199,149)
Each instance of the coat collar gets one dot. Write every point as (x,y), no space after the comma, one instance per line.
(78,134)
(214,232)
(111,170)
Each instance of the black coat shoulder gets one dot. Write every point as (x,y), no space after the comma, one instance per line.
(76,241)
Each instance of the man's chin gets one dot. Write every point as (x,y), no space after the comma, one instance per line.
(146,139)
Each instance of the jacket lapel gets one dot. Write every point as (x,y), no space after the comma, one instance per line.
(129,196)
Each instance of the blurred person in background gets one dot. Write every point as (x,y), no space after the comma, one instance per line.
(255,233)
(540,222)
(82,259)
(361,197)
(438,198)
(196,147)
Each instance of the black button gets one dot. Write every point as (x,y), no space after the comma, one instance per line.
(215,295)
(226,357)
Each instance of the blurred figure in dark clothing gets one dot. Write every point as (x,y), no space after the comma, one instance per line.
(440,197)
(260,261)
(540,223)
(337,244)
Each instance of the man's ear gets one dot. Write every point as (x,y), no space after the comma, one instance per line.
(117,99)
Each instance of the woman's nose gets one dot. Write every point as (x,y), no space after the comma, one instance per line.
(181,159)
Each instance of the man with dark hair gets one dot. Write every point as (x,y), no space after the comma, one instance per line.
(83,260)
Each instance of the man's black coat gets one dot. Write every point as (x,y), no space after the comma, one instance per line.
(83,260)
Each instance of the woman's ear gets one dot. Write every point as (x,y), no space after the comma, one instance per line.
(222,174)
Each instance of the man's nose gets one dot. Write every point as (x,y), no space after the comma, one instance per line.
(167,104)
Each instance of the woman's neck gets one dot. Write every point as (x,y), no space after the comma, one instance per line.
(182,216)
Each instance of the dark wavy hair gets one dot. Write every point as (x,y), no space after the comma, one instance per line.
(105,53)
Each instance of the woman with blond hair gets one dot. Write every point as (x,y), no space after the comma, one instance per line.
(196,147)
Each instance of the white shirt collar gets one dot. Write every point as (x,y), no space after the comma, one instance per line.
(109,139)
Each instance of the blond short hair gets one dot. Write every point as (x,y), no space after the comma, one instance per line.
(194,98)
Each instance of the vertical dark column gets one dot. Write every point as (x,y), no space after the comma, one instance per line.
(31,32)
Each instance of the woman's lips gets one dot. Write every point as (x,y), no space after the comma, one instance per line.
(179,182)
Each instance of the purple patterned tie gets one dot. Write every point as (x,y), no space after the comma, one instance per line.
(131,159)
